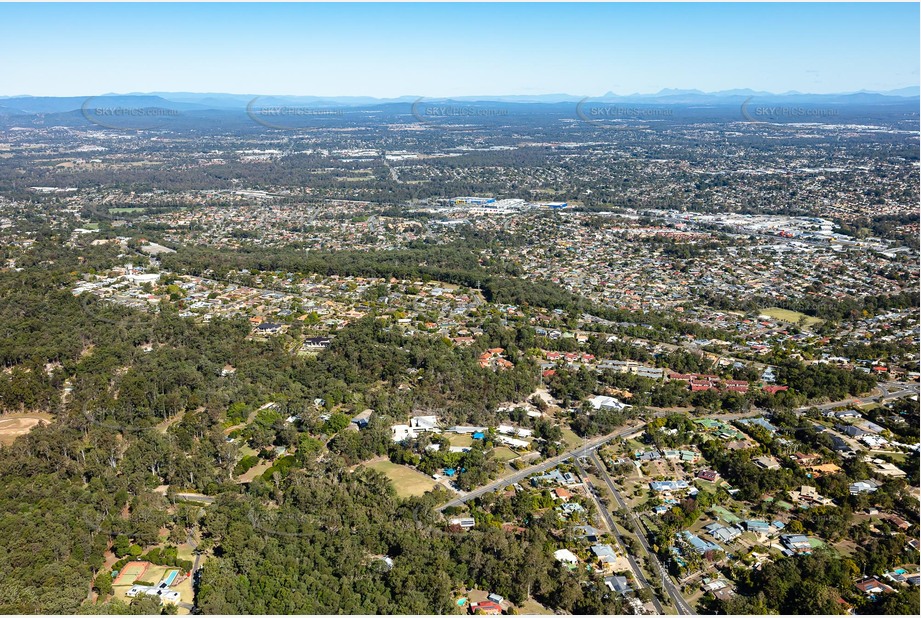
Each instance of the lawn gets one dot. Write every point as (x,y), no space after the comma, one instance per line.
(570,438)
(247,451)
(532,607)
(635,445)
(706,487)
(792,317)
(408,482)
(460,439)
(504,453)
(725,515)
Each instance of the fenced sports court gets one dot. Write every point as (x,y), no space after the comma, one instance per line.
(131,572)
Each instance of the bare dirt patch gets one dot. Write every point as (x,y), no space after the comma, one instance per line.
(14,425)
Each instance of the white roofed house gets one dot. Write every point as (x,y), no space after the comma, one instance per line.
(513,442)
(162,590)
(862,487)
(402,432)
(603,402)
(424,423)
(565,556)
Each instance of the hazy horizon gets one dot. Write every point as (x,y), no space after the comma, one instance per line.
(476,94)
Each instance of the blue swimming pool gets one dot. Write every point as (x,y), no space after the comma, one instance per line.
(172,575)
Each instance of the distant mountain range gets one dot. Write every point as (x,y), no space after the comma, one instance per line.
(202,102)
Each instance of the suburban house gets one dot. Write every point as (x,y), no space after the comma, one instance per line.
(766,463)
(565,556)
(871,586)
(268,328)
(464,522)
(708,475)
(604,553)
(486,608)
(589,533)
(807,495)
(721,533)
(698,544)
(863,487)
(424,423)
(317,343)
(618,583)
(603,402)
(660,486)
(795,544)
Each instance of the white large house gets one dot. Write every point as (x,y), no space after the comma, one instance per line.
(603,402)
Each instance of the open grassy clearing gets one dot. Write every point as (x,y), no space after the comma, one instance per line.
(457,439)
(570,438)
(504,453)
(532,607)
(406,481)
(791,317)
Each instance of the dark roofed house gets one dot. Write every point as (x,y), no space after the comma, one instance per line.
(618,583)
(871,585)
(708,475)
(362,420)
(268,328)
(589,533)
(796,544)
(840,446)
(851,430)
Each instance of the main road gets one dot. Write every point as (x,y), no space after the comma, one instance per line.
(677,598)
(888,390)
(605,513)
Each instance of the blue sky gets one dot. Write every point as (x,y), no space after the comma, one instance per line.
(455,49)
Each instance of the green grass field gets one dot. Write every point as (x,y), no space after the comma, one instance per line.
(570,438)
(406,481)
(504,453)
(791,317)
(458,439)
(635,445)
(117,211)
(726,515)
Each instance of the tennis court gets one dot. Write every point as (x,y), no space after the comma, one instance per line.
(131,572)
